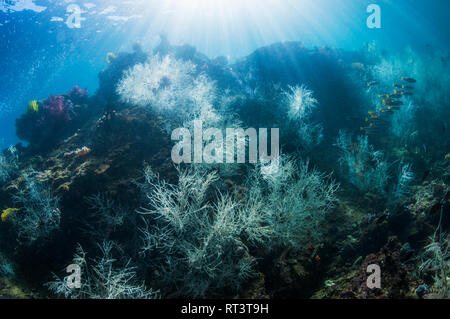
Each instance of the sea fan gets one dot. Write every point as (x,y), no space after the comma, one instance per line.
(102,278)
(299,104)
(39,213)
(173,89)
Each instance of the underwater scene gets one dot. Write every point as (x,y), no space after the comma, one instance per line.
(224,149)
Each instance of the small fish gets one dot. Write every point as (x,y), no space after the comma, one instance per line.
(447,156)
(392,102)
(372,83)
(390,96)
(374,115)
(410,80)
(386,111)
(394,108)
(402,86)
(401,93)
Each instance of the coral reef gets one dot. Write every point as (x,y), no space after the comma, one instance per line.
(300,103)
(172,88)
(339,201)
(8,164)
(102,279)
(53,119)
(364,167)
(394,278)
(39,215)
(436,262)
(196,247)
(294,202)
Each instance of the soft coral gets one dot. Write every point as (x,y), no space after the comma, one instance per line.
(56,108)
(78,95)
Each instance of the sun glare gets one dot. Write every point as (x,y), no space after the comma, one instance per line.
(227,24)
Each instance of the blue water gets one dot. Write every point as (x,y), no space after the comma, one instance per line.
(41,55)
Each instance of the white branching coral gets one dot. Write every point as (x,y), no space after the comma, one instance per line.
(173,89)
(299,104)
(107,215)
(401,188)
(6,267)
(197,238)
(403,122)
(430,90)
(39,215)
(196,245)
(102,278)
